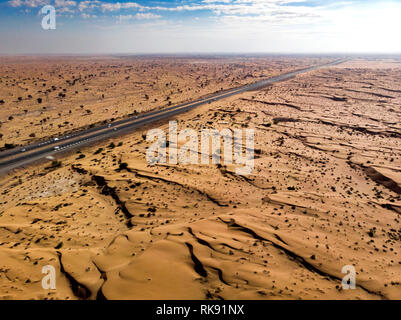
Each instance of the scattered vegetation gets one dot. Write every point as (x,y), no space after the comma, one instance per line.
(98,151)
(123,166)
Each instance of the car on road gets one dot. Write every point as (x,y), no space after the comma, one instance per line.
(23,150)
(56,148)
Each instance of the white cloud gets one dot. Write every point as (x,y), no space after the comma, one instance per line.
(65,3)
(64,10)
(88,4)
(138,16)
(15,3)
(216,1)
(147,16)
(88,16)
(28,3)
(118,6)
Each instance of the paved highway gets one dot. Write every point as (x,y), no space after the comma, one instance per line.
(23,156)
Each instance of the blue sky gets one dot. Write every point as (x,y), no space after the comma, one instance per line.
(171,26)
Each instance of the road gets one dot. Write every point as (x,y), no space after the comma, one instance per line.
(23,156)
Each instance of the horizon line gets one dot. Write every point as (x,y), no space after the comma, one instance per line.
(206,54)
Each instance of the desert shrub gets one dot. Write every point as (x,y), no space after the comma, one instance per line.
(9,145)
(123,166)
(39,100)
(98,151)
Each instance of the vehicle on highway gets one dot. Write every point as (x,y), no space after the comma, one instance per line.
(56,148)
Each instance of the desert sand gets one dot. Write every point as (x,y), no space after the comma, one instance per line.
(325,191)
(43,97)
